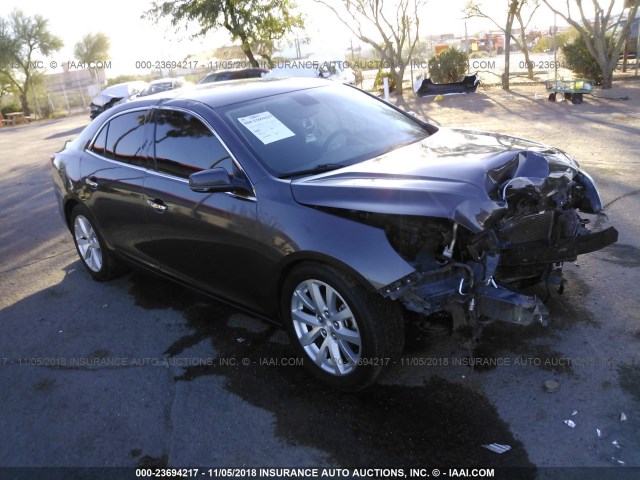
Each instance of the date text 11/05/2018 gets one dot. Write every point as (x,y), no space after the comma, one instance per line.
(313,472)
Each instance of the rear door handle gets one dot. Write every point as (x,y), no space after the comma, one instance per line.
(157,205)
(91,182)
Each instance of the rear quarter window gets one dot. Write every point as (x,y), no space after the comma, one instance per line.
(125,138)
(101,141)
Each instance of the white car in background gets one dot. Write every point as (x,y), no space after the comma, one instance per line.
(115,93)
(164,84)
(337,70)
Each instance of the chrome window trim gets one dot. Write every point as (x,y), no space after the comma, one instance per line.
(153,171)
(93,139)
(116,162)
(212,130)
(164,175)
(167,176)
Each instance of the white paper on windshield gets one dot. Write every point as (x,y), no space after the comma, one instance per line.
(266,127)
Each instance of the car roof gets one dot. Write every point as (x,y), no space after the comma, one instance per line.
(218,94)
(233,74)
(123,89)
(163,80)
(231,70)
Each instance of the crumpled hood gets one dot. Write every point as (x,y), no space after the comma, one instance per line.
(455,174)
(120,90)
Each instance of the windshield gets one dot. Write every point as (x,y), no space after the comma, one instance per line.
(305,129)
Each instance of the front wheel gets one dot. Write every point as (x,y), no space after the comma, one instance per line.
(97,259)
(345,335)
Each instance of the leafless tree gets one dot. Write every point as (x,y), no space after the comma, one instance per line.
(517,10)
(395,24)
(595,31)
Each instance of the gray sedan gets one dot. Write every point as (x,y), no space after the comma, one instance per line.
(323,208)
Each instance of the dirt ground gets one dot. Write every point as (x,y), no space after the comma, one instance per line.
(525,111)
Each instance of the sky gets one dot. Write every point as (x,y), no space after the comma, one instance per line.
(134,39)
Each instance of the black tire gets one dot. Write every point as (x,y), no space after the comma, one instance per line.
(99,261)
(376,322)
(552,97)
(576,99)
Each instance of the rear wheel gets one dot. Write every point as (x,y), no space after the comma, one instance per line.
(576,99)
(97,259)
(345,335)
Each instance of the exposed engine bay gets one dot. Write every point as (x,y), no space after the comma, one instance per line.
(477,228)
(482,271)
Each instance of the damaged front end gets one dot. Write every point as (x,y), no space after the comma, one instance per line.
(474,268)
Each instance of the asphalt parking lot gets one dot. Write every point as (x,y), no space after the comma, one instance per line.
(141,372)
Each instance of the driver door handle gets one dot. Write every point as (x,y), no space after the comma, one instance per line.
(91,182)
(157,205)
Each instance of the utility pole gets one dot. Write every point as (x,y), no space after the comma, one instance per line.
(297,44)
(637,23)
(555,53)
(466,39)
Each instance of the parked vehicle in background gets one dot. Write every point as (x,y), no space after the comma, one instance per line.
(234,74)
(319,206)
(331,70)
(162,85)
(110,96)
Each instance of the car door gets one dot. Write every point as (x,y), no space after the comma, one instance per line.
(113,170)
(206,239)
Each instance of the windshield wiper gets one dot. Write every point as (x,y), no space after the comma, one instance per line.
(324,167)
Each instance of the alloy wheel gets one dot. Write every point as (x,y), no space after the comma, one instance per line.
(325,327)
(88,244)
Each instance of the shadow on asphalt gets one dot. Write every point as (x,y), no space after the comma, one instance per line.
(438,423)
(68,133)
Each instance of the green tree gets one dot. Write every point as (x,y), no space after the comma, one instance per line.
(93,47)
(545,44)
(595,31)
(6,87)
(379,82)
(580,61)
(448,66)
(396,26)
(257,24)
(22,38)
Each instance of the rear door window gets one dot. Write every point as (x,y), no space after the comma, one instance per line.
(123,139)
(126,139)
(100,142)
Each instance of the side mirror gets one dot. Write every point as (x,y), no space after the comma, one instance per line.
(215,180)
